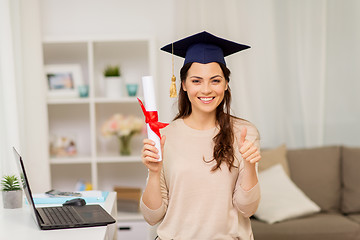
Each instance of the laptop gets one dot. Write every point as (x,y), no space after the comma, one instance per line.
(62,217)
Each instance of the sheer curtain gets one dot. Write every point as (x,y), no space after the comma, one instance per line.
(22,92)
(278,84)
(342,98)
(9,117)
(301,53)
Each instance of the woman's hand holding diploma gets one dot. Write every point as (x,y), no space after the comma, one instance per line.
(150,156)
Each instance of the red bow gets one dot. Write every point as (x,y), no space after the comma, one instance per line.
(151,117)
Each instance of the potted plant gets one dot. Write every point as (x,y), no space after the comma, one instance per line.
(11,192)
(113,84)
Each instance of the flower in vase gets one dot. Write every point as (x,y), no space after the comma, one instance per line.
(123,127)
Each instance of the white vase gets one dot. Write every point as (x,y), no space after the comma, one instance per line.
(113,87)
(12,199)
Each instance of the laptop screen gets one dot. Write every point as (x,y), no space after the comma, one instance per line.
(25,185)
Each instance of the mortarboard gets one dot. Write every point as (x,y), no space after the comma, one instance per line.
(203,48)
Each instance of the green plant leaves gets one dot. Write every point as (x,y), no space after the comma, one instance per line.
(112,71)
(10,183)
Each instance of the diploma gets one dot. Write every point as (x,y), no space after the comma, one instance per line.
(150,111)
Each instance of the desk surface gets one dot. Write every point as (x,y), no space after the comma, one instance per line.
(19,224)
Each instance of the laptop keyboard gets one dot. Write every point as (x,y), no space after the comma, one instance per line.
(62,215)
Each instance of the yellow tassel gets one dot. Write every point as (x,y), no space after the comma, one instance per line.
(173,93)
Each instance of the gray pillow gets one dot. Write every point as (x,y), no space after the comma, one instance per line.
(316,171)
(351,180)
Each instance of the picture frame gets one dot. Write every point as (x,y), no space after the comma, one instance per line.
(63,80)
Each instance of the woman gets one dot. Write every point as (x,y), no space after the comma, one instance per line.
(206,187)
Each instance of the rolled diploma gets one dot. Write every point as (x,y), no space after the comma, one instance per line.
(150,105)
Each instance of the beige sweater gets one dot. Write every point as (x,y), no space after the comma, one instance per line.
(199,204)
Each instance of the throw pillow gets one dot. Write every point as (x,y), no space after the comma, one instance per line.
(272,157)
(281,199)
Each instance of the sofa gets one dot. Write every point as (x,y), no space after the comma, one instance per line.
(330,177)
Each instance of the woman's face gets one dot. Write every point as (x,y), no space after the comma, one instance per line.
(205,85)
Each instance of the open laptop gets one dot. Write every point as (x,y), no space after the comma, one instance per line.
(62,217)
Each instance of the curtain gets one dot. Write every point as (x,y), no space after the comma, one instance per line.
(342,98)
(9,117)
(301,53)
(281,83)
(22,92)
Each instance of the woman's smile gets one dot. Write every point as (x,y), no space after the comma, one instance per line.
(206,100)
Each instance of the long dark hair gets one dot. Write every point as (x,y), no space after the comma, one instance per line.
(223,149)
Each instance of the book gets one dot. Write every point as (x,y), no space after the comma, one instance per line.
(89,196)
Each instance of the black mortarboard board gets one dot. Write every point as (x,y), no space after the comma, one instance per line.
(204,48)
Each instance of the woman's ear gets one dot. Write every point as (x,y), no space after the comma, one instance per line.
(183,86)
(226,86)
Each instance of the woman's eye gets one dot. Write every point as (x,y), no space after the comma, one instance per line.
(195,81)
(216,80)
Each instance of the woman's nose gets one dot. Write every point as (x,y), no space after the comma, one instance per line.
(206,88)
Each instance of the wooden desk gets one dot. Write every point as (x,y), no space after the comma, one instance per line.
(19,224)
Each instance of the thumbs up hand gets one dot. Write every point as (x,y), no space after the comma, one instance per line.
(249,152)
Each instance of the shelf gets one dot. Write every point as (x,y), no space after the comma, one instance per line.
(129,216)
(70,175)
(81,119)
(119,159)
(68,100)
(88,100)
(69,160)
(116,100)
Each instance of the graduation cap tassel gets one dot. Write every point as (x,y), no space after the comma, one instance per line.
(173,93)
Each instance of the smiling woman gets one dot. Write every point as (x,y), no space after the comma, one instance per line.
(206,96)
(209,156)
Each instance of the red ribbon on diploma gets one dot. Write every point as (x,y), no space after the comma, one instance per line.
(151,117)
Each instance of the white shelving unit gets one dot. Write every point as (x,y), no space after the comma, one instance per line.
(97,160)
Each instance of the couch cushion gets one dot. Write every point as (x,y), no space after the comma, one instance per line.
(281,199)
(351,180)
(316,171)
(355,218)
(329,226)
(271,157)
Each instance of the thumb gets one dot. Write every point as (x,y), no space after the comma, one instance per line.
(243,133)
